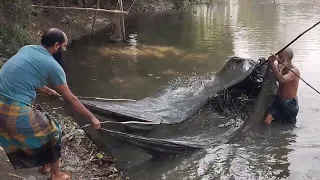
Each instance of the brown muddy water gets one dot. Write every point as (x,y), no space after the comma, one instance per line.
(172,48)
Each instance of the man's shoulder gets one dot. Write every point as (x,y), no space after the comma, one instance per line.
(39,54)
(296,70)
(30,47)
(24,52)
(37,49)
(294,73)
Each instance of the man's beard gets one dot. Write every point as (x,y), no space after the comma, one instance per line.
(58,57)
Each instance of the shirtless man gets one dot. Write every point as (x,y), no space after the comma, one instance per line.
(284,108)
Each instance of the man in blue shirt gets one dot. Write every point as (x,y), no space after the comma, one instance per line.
(30,137)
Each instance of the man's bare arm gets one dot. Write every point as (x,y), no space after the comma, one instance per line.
(76,104)
(276,73)
(284,78)
(45,90)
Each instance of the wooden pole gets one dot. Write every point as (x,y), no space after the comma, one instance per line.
(125,122)
(69,33)
(122,20)
(316,24)
(95,17)
(84,9)
(131,5)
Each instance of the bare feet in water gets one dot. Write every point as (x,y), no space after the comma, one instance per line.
(268,119)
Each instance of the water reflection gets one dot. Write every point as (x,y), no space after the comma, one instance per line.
(176,46)
(165,46)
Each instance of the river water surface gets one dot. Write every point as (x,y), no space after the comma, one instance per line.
(171,48)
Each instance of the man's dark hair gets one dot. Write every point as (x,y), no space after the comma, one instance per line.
(51,36)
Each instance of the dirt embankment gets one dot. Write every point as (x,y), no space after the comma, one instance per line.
(24,24)
(77,23)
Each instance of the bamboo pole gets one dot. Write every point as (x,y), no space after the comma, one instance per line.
(95,18)
(69,33)
(125,122)
(131,5)
(295,39)
(122,20)
(84,9)
(17,176)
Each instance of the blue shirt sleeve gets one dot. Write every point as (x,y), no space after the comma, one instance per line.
(57,76)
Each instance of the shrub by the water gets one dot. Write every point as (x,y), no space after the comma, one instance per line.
(14,16)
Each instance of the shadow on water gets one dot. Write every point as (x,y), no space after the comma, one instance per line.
(172,49)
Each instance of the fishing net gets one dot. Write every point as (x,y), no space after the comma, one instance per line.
(237,91)
(176,105)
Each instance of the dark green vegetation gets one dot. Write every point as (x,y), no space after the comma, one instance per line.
(14,16)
